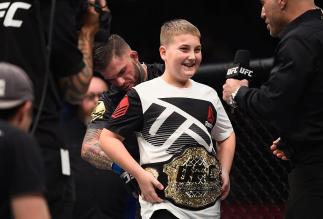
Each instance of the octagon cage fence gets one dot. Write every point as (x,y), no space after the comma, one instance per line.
(259,187)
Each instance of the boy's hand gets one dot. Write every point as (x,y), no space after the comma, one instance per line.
(225,185)
(148,183)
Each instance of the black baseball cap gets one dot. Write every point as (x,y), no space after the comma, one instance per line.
(15,86)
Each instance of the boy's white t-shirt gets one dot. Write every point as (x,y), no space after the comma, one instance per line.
(166,118)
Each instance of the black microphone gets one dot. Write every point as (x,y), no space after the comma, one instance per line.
(240,69)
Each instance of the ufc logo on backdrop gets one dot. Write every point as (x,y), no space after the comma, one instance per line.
(8,11)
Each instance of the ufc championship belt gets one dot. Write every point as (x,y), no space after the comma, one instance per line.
(192,178)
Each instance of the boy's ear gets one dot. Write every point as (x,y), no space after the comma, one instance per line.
(134,55)
(162,52)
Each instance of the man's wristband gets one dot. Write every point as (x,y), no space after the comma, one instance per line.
(235,93)
(117,169)
(233,103)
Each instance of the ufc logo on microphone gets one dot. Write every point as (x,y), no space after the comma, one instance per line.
(8,11)
(232,70)
(245,71)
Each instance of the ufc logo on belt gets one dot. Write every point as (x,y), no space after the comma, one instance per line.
(8,11)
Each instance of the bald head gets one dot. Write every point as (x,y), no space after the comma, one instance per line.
(296,8)
(278,13)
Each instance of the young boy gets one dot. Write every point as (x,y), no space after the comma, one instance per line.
(176,120)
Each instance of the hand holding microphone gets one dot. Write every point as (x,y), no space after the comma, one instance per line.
(237,76)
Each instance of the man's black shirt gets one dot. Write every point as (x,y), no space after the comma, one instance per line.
(25,46)
(21,167)
(111,99)
(292,98)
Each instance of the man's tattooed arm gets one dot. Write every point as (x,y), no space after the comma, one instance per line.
(75,86)
(92,152)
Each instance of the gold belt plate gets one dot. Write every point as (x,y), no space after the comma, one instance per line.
(194,179)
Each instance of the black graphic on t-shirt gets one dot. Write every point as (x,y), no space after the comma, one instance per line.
(170,124)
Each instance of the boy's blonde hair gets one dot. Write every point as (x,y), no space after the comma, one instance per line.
(176,27)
